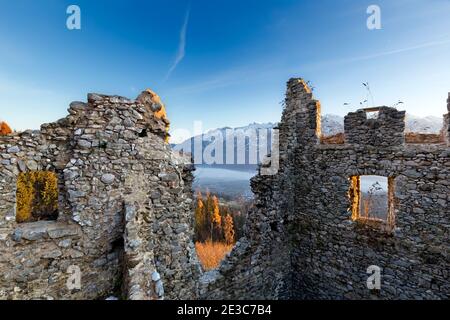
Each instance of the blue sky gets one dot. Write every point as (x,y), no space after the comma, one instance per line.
(224,63)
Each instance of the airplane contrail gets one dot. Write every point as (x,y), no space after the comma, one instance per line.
(181,46)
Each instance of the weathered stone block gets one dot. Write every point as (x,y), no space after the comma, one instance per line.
(13,149)
(108,178)
(60,230)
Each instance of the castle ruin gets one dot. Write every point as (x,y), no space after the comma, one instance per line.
(124,207)
(125,210)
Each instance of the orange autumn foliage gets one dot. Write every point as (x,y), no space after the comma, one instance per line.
(216,218)
(211,254)
(5,129)
(228,230)
(161,113)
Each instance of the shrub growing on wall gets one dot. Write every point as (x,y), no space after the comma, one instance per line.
(37,196)
(4,129)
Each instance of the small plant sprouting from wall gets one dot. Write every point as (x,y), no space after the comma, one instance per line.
(369,209)
(369,94)
(37,196)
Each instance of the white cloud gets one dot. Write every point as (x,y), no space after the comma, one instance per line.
(401,50)
(181,45)
(420,46)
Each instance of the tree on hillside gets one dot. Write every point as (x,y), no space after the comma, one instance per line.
(228,229)
(216,221)
(201,220)
(198,223)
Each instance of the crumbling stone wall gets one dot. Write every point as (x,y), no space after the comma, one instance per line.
(303,238)
(331,253)
(125,211)
(124,207)
(387,129)
(258,266)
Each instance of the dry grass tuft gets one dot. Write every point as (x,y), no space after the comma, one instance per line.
(211,254)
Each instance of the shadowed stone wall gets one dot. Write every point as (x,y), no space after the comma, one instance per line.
(303,243)
(387,129)
(330,253)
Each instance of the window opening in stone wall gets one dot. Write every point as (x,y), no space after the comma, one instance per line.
(371,199)
(338,138)
(36,196)
(428,132)
(372,114)
(424,138)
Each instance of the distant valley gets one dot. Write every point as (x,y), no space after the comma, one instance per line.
(231,180)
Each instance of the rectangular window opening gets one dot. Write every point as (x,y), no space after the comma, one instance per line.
(372,200)
(36,196)
(372,114)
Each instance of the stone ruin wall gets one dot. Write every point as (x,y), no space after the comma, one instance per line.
(125,205)
(330,252)
(125,215)
(258,267)
(303,243)
(126,211)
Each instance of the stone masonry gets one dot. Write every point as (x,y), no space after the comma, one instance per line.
(124,208)
(125,211)
(301,240)
(330,252)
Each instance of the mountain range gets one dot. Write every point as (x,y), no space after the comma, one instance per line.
(231,180)
(256,135)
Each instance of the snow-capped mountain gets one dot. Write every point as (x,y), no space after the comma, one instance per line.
(256,135)
(250,144)
(332,124)
(232,180)
(428,124)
